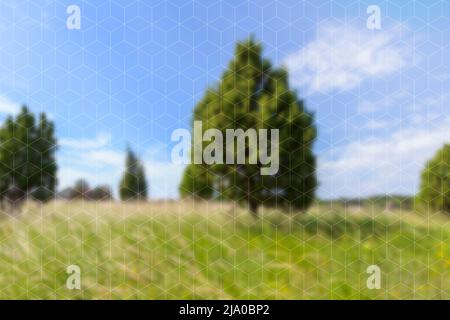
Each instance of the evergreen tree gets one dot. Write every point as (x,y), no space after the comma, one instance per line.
(45,159)
(435,182)
(27,159)
(254,94)
(133,185)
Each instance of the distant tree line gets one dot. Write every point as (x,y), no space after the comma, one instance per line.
(82,191)
(133,185)
(391,201)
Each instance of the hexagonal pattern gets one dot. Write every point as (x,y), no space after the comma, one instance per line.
(132,73)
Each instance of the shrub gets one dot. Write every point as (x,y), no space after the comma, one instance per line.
(435,182)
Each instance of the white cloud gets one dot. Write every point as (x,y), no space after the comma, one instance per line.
(164,178)
(101,140)
(388,100)
(379,166)
(342,56)
(376,124)
(67,175)
(92,159)
(97,166)
(8,106)
(104,157)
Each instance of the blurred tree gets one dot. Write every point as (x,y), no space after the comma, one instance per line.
(47,146)
(133,185)
(435,182)
(66,194)
(253,94)
(196,182)
(80,189)
(100,193)
(27,159)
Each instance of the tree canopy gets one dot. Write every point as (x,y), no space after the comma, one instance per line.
(252,94)
(27,159)
(133,185)
(435,182)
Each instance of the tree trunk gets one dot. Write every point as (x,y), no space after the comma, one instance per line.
(251,201)
(16,207)
(253,207)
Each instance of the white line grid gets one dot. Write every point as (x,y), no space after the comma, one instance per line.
(133,72)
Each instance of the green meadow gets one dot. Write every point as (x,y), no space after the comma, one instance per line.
(205,250)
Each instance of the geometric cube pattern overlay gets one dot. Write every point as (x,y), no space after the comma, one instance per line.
(376,76)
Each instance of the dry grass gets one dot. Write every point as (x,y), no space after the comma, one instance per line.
(177,250)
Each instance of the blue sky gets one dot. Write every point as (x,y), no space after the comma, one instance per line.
(135,70)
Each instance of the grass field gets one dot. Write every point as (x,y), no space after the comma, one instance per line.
(216,251)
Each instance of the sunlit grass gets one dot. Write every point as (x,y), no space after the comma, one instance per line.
(217,251)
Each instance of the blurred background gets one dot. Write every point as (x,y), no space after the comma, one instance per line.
(134,71)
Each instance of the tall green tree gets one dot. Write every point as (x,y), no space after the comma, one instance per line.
(27,159)
(133,185)
(254,94)
(46,159)
(435,182)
